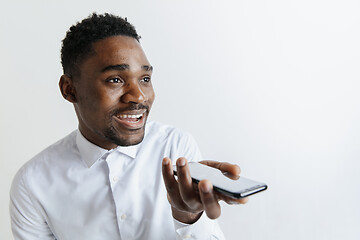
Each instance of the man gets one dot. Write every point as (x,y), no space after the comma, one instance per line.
(112,178)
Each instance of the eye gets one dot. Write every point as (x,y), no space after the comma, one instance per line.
(146,79)
(115,80)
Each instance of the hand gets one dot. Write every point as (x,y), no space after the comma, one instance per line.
(189,200)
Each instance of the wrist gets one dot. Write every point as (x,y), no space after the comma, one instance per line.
(185,217)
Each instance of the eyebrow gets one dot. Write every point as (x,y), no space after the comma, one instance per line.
(147,68)
(120,67)
(123,67)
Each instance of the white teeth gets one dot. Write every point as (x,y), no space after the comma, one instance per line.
(130,116)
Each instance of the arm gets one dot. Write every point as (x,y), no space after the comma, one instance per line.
(26,220)
(184,197)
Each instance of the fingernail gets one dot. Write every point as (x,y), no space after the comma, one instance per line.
(181,162)
(165,162)
(205,188)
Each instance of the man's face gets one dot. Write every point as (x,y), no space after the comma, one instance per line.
(114,93)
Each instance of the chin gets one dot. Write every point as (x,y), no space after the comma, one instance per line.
(124,140)
(129,142)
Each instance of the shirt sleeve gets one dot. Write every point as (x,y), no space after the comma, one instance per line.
(204,228)
(26,220)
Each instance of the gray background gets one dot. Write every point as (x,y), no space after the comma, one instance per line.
(270,85)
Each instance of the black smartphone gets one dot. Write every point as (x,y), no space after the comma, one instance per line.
(235,188)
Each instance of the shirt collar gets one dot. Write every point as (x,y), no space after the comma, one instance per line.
(128,150)
(90,152)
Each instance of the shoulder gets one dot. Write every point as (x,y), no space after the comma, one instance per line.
(164,132)
(176,142)
(46,159)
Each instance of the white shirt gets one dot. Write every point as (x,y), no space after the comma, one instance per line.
(76,190)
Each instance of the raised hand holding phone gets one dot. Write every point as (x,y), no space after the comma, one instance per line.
(189,201)
(232,186)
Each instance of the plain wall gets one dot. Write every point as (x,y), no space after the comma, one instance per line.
(270,85)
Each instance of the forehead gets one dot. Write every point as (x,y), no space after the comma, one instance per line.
(117,50)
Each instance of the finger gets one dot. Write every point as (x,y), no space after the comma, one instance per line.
(224,167)
(231,176)
(171,184)
(186,189)
(209,200)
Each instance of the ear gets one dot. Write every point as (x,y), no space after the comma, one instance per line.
(67,88)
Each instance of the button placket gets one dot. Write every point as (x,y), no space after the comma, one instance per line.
(115,167)
(115,178)
(123,217)
(187,236)
(116,163)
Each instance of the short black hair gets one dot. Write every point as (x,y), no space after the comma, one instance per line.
(78,41)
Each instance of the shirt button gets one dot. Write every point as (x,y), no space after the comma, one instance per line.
(123,217)
(115,178)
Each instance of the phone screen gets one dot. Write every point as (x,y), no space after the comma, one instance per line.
(236,188)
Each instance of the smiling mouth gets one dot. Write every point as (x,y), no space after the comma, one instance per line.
(130,117)
(131,121)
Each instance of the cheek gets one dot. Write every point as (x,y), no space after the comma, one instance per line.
(150,94)
(97,100)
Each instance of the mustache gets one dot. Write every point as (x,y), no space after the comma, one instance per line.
(133,106)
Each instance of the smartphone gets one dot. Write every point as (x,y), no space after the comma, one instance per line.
(239,188)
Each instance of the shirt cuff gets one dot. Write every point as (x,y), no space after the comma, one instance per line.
(203,229)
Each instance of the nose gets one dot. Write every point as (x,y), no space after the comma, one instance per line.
(133,94)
